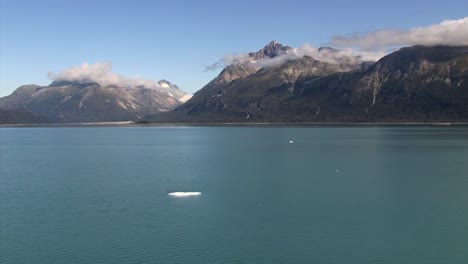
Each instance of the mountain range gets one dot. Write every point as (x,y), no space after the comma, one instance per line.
(274,84)
(71,101)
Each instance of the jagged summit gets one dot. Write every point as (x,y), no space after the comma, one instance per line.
(271,50)
(174,90)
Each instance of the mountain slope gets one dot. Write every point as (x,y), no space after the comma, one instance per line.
(66,101)
(413,84)
(19,117)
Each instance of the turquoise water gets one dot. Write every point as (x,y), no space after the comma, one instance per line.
(335,195)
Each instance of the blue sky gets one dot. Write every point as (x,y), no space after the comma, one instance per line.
(175,40)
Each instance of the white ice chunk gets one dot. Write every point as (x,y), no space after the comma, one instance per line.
(184,194)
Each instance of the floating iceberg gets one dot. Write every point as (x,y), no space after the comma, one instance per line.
(184,194)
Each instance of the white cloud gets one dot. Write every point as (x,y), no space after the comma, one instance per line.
(328,55)
(100,72)
(448,32)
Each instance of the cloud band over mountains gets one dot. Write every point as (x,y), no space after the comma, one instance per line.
(101,73)
(326,55)
(448,32)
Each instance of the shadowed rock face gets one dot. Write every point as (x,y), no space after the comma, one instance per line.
(413,84)
(90,102)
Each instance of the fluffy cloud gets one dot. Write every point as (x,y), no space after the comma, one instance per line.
(100,72)
(448,32)
(335,56)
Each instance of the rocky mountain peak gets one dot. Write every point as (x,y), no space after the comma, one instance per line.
(271,50)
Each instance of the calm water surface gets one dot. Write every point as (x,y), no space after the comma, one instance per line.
(336,195)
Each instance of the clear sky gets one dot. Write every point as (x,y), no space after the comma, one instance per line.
(175,40)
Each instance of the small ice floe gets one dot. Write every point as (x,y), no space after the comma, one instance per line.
(290,141)
(184,194)
(337,171)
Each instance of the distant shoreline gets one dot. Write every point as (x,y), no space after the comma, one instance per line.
(91,124)
(253,124)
